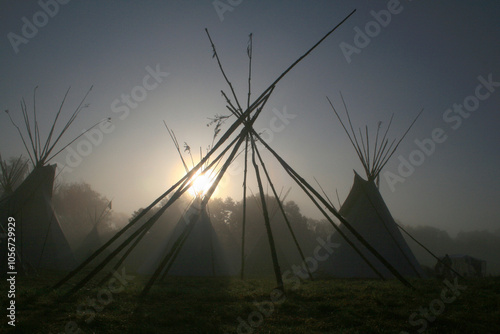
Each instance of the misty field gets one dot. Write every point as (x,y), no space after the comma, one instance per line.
(230,305)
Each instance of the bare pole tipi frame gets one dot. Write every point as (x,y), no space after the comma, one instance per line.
(246,135)
(250,143)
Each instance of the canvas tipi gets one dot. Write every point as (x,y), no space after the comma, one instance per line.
(40,240)
(196,249)
(365,209)
(93,239)
(200,252)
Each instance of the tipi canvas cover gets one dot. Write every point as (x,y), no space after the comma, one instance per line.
(89,245)
(365,212)
(93,240)
(200,254)
(40,241)
(365,209)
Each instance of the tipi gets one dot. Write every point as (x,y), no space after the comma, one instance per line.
(93,239)
(196,248)
(365,209)
(40,240)
(258,262)
(199,253)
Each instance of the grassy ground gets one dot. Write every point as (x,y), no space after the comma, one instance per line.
(216,305)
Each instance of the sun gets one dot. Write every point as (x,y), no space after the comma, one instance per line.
(201,184)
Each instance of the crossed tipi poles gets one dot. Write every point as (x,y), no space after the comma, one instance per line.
(222,155)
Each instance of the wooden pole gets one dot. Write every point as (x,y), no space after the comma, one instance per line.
(245,172)
(274,257)
(280,205)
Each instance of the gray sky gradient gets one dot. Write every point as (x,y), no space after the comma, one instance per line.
(429,55)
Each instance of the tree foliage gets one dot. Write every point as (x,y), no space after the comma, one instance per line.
(12,173)
(79,208)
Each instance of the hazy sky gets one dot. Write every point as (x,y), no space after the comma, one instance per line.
(419,54)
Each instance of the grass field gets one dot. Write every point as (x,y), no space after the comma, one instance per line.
(218,305)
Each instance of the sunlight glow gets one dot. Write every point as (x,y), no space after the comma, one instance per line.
(201,184)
